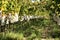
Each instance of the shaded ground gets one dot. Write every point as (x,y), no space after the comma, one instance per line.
(34,29)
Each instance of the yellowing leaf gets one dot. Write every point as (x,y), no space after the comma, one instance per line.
(3,2)
(58,4)
(6,2)
(52,7)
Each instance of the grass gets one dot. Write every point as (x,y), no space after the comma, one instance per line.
(32,30)
(19,36)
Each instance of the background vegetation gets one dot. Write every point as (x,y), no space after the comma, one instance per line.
(35,29)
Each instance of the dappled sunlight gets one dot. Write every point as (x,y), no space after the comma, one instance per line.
(29,19)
